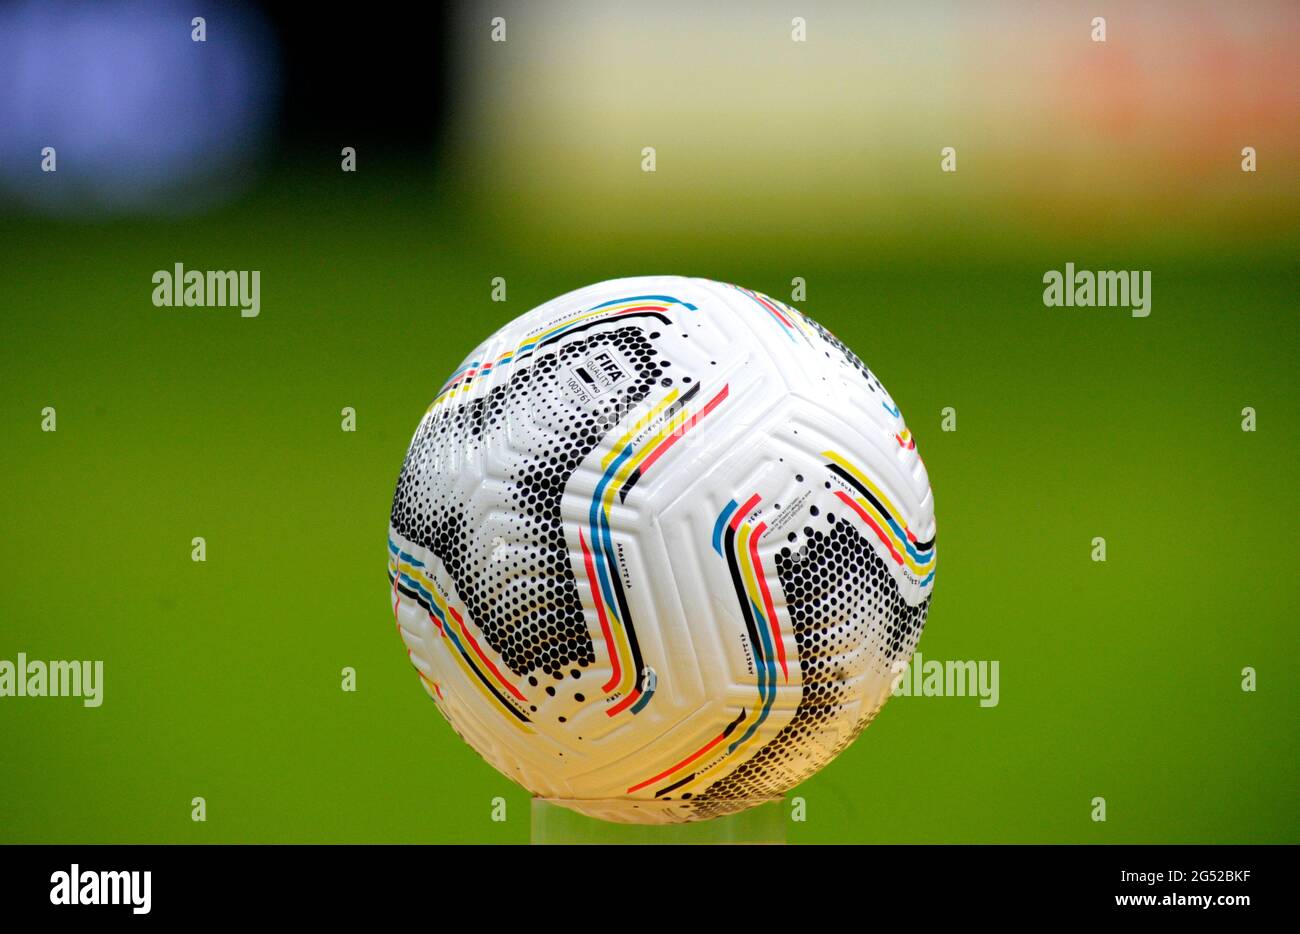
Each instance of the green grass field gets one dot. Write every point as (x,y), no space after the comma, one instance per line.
(222,679)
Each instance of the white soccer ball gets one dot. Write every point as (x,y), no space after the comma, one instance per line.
(659,548)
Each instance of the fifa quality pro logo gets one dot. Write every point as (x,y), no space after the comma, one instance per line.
(79,886)
(599,373)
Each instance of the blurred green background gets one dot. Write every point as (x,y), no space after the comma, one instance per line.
(222,679)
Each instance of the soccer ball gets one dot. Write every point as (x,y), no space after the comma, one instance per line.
(659,548)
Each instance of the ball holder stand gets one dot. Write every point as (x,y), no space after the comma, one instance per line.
(764,822)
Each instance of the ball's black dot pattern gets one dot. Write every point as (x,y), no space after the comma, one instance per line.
(849,356)
(848,615)
(517,582)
